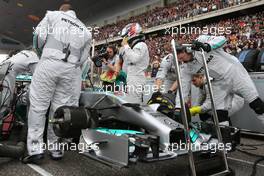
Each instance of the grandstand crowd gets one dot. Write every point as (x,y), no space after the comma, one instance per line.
(160,15)
(246,32)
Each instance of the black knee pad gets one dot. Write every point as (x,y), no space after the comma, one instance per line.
(258,106)
(222,115)
(205,116)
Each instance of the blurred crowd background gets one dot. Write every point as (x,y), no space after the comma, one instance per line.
(160,15)
(246,31)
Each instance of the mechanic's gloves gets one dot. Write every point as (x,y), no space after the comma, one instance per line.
(195,110)
(196,45)
(258,106)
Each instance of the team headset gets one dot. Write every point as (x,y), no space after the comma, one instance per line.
(188,49)
(181,48)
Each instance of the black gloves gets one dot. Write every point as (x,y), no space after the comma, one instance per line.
(196,45)
(258,106)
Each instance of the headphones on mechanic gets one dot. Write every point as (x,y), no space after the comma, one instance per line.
(181,48)
(188,49)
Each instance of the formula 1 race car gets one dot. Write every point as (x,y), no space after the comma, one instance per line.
(118,133)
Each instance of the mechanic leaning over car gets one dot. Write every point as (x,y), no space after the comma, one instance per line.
(227,73)
(199,81)
(135,55)
(66,44)
(23,61)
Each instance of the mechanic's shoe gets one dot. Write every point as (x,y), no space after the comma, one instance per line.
(33,159)
(56,155)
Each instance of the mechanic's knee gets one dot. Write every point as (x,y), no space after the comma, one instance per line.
(257,105)
(222,115)
(205,116)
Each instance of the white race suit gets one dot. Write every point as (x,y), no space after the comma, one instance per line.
(227,73)
(57,78)
(135,62)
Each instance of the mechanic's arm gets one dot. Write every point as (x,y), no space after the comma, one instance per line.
(201,97)
(85,67)
(85,54)
(158,82)
(32,67)
(162,72)
(41,32)
(186,78)
(206,104)
(132,55)
(174,86)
